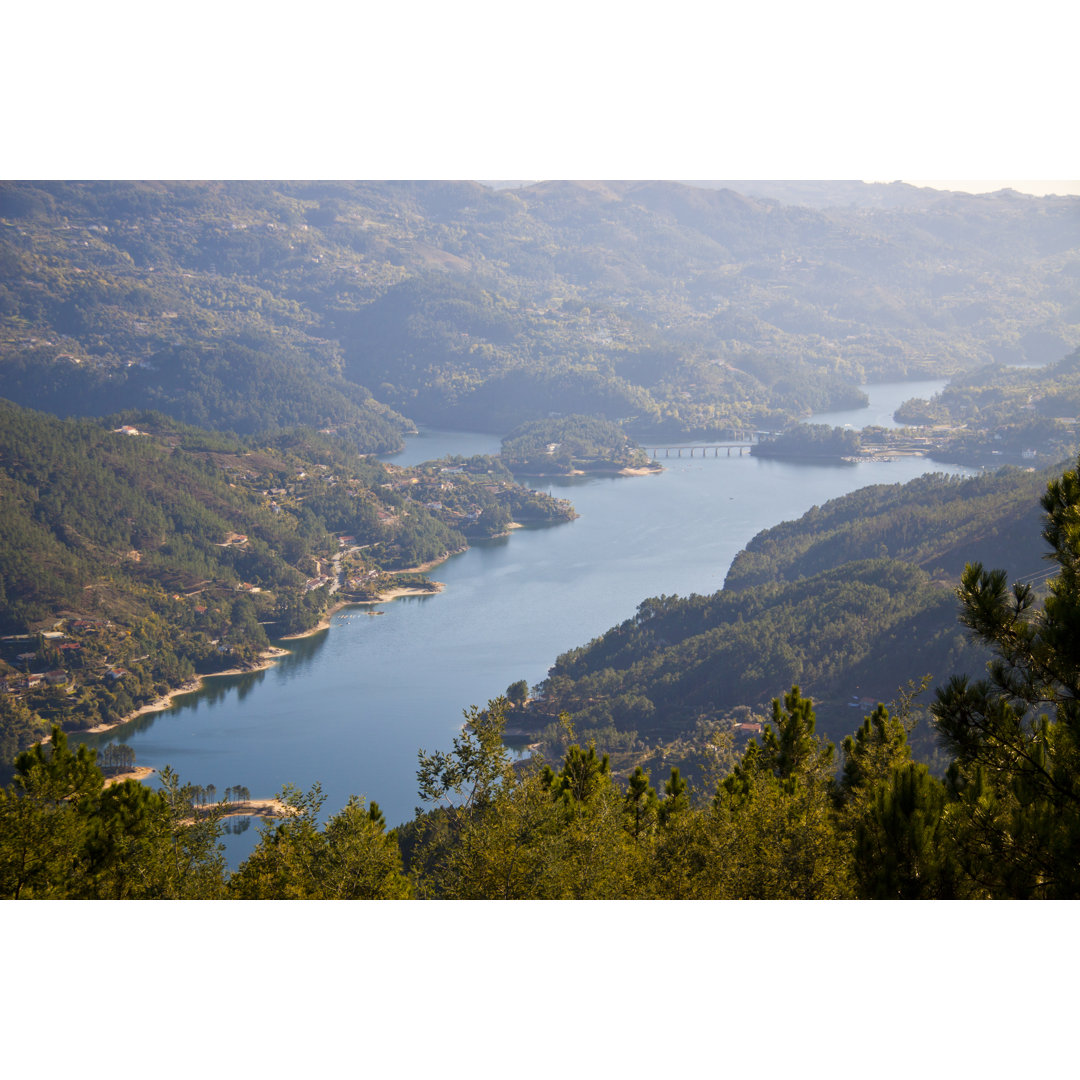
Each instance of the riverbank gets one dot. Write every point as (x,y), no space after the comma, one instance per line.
(392,594)
(423,568)
(267,659)
(613,470)
(264,808)
(382,597)
(261,808)
(140,773)
(322,624)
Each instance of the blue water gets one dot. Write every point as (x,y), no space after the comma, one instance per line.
(430,445)
(885,399)
(350,707)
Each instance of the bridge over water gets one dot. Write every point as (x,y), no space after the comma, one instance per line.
(667,451)
(741,441)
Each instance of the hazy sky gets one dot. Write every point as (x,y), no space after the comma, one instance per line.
(780,89)
(1029,187)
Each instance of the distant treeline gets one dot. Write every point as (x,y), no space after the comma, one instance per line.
(1007,414)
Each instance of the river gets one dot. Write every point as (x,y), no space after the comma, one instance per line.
(350,706)
(885,399)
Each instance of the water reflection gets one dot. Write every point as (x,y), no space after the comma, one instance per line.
(246,683)
(416,598)
(492,542)
(884,400)
(819,463)
(234,826)
(301,650)
(216,691)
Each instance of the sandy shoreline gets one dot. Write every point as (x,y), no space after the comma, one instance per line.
(628,470)
(140,772)
(264,808)
(267,658)
(423,568)
(322,624)
(381,598)
(392,594)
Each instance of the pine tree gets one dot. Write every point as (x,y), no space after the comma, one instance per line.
(676,798)
(775,813)
(900,852)
(640,803)
(582,774)
(873,751)
(1015,735)
(43,820)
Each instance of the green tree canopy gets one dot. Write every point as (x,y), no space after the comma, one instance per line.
(1015,735)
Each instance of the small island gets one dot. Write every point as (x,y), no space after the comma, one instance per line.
(816,442)
(573,445)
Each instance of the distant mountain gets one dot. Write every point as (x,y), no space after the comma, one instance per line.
(360,307)
(823,194)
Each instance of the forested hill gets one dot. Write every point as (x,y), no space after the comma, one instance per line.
(570,444)
(350,306)
(851,602)
(138,551)
(939,522)
(1002,412)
